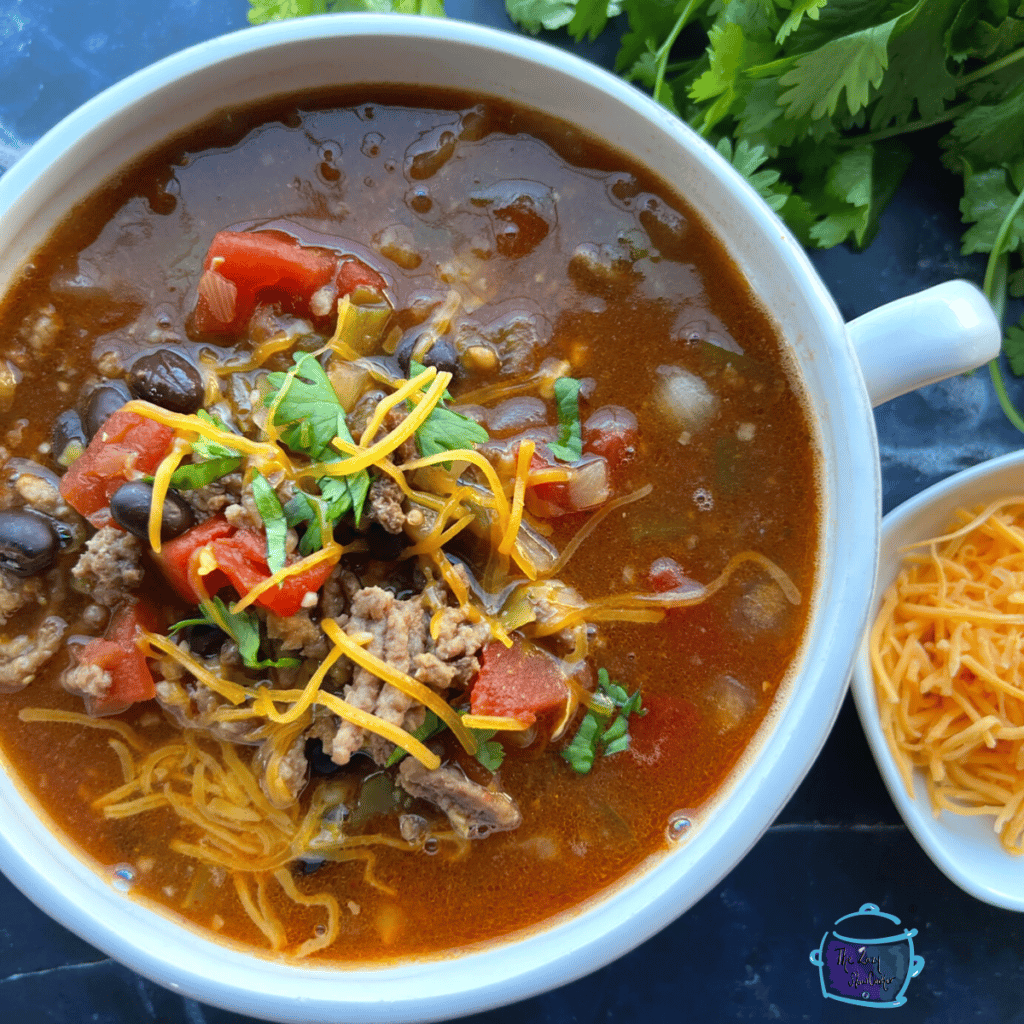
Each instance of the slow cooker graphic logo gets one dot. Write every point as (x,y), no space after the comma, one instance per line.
(867,960)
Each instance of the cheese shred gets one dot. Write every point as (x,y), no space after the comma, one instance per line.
(946,653)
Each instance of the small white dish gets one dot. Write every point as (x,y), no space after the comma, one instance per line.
(965,849)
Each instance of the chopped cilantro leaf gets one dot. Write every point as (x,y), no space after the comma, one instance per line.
(204,448)
(312,417)
(595,734)
(244,628)
(198,474)
(211,460)
(272,514)
(569,446)
(445,430)
(431,726)
(307,407)
(489,752)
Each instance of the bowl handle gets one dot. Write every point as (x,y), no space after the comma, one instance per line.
(923,338)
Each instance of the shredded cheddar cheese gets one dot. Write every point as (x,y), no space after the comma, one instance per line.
(400,681)
(161,484)
(946,652)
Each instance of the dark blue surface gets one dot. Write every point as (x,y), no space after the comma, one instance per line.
(742,953)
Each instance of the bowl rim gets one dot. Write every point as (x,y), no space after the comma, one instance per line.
(946,838)
(476,981)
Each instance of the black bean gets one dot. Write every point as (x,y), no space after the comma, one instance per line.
(319,762)
(441,354)
(67,438)
(166,378)
(129,507)
(384,546)
(104,400)
(205,641)
(28,542)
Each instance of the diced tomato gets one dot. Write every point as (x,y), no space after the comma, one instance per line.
(241,556)
(586,488)
(515,682)
(126,444)
(670,723)
(118,654)
(243,559)
(612,433)
(353,274)
(243,268)
(176,556)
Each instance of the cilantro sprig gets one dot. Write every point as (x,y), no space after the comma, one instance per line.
(445,430)
(269,508)
(489,752)
(243,627)
(306,406)
(599,732)
(261,11)
(569,446)
(210,459)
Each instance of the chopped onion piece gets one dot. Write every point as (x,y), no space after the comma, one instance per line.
(220,295)
(588,485)
(684,398)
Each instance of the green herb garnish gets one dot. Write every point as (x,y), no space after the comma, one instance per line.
(243,627)
(595,735)
(533,15)
(210,459)
(445,430)
(312,417)
(269,508)
(431,726)
(490,753)
(261,11)
(569,446)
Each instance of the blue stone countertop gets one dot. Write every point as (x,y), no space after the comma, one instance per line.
(741,954)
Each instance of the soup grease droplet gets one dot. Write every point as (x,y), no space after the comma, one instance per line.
(123,877)
(431,846)
(420,201)
(678,827)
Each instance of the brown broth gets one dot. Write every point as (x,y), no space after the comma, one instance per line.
(124,270)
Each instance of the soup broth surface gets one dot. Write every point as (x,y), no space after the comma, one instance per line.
(512,251)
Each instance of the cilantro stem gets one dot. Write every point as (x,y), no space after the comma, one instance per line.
(910,126)
(995,290)
(990,69)
(663,51)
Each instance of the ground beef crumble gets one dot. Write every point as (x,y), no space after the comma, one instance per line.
(109,568)
(22,656)
(474,811)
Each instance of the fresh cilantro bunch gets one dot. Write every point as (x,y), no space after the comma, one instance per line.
(811,101)
(261,11)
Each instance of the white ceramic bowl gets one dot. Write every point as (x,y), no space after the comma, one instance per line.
(966,849)
(938,334)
